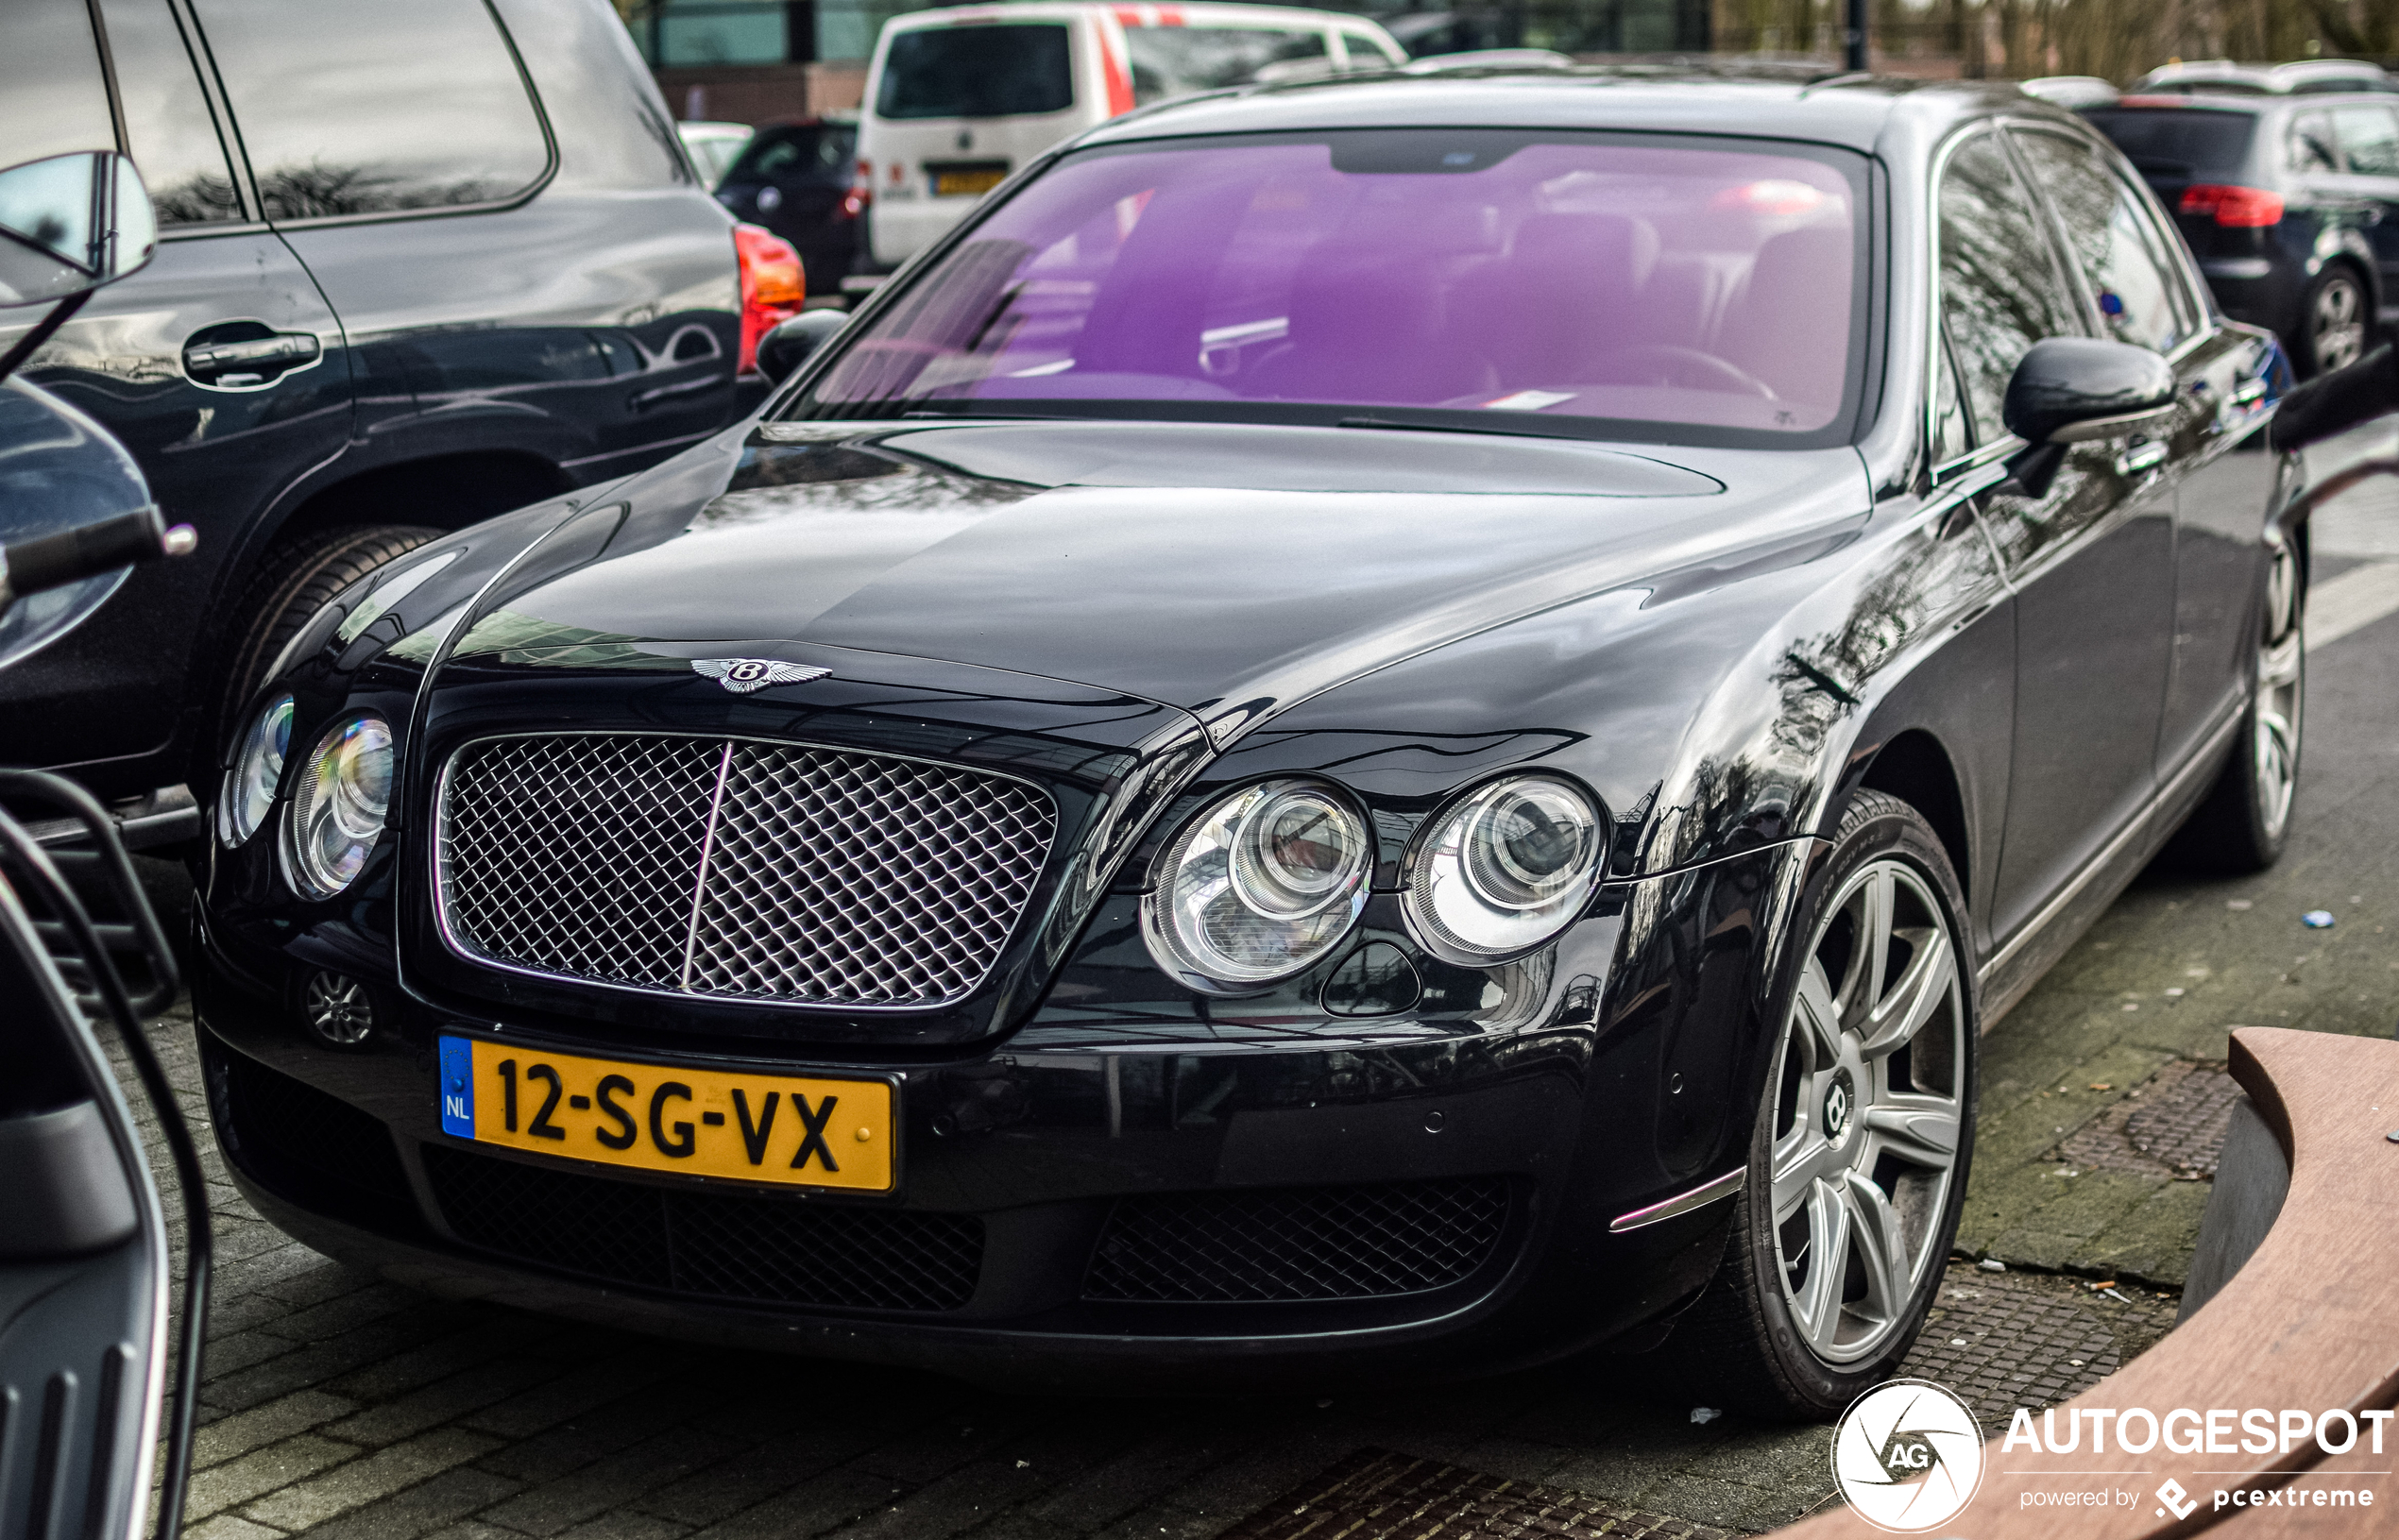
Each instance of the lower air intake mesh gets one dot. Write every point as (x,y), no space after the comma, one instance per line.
(1305,1242)
(719,1246)
(299,1137)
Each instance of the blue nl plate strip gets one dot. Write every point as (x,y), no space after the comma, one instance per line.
(457,1088)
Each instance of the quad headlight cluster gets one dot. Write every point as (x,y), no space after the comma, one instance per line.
(339,802)
(1271,878)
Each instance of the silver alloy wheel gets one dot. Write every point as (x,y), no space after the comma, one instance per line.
(1866,1112)
(2275,712)
(2337,325)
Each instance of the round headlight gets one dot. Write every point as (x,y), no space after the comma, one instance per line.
(1259,887)
(337,811)
(258,768)
(1506,871)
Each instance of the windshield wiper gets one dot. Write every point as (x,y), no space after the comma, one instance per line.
(1531,429)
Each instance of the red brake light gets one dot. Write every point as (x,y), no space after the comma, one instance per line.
(2235,207)
(773,286)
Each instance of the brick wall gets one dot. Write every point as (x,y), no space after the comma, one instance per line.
(759,93)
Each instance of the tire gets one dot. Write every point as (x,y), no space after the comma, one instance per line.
(1775,1335)
(2245,821)
(2336,323)
(295,581)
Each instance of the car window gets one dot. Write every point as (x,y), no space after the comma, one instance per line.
(1177,61)
(1493,274)
(1366,52)
(2369,140)
(52,98)
(2109,235)
(996,70)
(171,134)
(2309,144)
(814,154)
(360,107)
(2000,288)
(2178,142)
(1950,435)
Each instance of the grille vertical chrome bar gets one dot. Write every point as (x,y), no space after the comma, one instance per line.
(700,883)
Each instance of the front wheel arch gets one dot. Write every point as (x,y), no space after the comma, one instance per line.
(1740,1344)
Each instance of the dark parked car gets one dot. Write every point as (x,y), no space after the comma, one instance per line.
(2290,203)
(1322,745)
(418,264)
(795,178)
(84,1245)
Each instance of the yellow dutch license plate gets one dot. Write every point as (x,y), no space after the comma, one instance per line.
(952,184)
(800,1131)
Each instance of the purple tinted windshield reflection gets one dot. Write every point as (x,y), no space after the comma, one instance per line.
(1567,276)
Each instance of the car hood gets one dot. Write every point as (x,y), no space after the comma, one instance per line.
(1229,570)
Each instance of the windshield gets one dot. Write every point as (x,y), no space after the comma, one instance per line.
(2166,142)
(1001,70)
(815,153)
(1475,275)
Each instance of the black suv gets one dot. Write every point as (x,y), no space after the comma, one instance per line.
(418,264)
(2289,202)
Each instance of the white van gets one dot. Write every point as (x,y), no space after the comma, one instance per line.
(958,98)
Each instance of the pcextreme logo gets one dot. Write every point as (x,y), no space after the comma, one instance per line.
(1908,1455)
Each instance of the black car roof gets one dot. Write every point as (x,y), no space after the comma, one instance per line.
(1849,111)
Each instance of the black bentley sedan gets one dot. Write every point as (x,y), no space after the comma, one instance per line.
(1385,728)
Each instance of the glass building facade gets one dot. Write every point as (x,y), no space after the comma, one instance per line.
(715,34)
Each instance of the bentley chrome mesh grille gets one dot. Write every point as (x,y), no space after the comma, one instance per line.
(737,870)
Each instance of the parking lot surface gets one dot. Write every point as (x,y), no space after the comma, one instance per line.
(338,1404)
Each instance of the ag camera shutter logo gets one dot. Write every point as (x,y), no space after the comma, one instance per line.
(1908,1456)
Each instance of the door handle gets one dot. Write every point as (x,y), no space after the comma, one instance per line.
(2140,458)
(247,362)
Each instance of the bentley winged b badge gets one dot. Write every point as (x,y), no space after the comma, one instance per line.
(743,675)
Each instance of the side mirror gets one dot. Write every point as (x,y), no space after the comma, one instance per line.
(2072,389)
(69,225)
(787,347)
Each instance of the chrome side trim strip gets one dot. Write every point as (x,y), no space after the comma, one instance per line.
(2202,760)
(1698,1197)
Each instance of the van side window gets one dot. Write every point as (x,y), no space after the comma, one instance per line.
(1365,51)
(1177,61)
(168,129)
(2109,235)
(361,107)
(2000,288)
(53,99)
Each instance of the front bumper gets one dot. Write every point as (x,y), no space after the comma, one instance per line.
(1394,1204)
